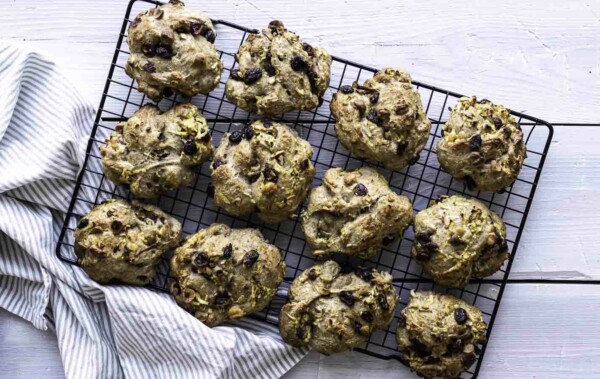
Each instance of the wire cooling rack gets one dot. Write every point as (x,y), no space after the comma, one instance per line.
(422,182)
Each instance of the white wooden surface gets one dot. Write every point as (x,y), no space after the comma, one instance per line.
(541,57)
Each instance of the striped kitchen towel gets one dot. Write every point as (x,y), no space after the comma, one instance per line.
(103,331)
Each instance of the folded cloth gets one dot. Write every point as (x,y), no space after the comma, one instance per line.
(103,331)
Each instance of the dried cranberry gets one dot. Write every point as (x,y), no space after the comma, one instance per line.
(455,346)
(83,223)
(460,315)
(149,66)
(235,75)
(164,51)
(423,237)
(268,65)
(236,136)
(401,147)
(346,89)
(414,159)
(196,28)
(201,260)
(309,49)
(227,250)
(270,174)
(364,273)
(300,333)
(303,164)
(347,298)
(148,50)
(357,326)
(312,79)
(360,190)
(312,274)
(116,226)
(267,123)
(221,299)
(419,347)
(423,255)
(298,64)
(497,122)
(431,247)
(217,164)
(374,118)
(503,247)
(374,97)
(248,132)
(250,258)
(190,147)
(205,137)
(367,316)
(275,25)
(468,360)
(388,240)
(252,75)
(210,35)
(475,142)
(383,303)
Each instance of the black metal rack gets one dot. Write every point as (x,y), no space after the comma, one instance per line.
(422,182)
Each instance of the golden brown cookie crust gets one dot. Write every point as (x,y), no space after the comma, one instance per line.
(223,273)
(334,312)
(382,120)
(482,145)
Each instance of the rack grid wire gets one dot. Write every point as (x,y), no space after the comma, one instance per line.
(422,182)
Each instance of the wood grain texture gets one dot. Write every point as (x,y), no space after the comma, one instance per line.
(539,57)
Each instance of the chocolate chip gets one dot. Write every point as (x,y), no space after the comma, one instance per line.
(253,177)
(190,147)
(470,183)
(431,247)
(268,65)
(312,274)
(346,89)
(383,303)
(312,79)
(414,159)
(236,136)
(475,142)
(167,92)
(235,75)
(227,250)
(360,190)
(270,174)
(460,315)
(298,64)
(210,35)
(419,347)
(83,223)
(148,50)
(252,75)
(196,28)
(250,258)
(455,346)
(164,51)
(456,241)
(423,237)
(201,260)
(364,273)
(136,21)
(374,97)
(468,360)
(221,299)
(116,226)
(497,122)
(357,326)
(367,316)
(267,123)
(347,298)
(388,240)
(149,66)
(372,116)
(217,164)
(300,333)
(303,165)
(205,137)
(401,147)
(161,136)
(275,25)
(248,132)
(110,213)
(309,49)
(402,321)
(503,247)
(423,255)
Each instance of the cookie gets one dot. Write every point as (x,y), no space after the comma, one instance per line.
(119,242)
(264,168)
(223,274)
(155,152)
(334,312)
(457,238)
(438,335)
(382,120)
(354,213)
(172,49)
(278,73)
(482,145)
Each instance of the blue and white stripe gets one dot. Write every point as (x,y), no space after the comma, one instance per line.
(103,332)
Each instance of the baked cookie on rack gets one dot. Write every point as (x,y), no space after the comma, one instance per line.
(438,334)
(334,312)
(264,168)
(457,238)
(482,145)
(223,274)
(172,49)
(382,120)
(278,73)
(121,242)
(155,152)
(354,213)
